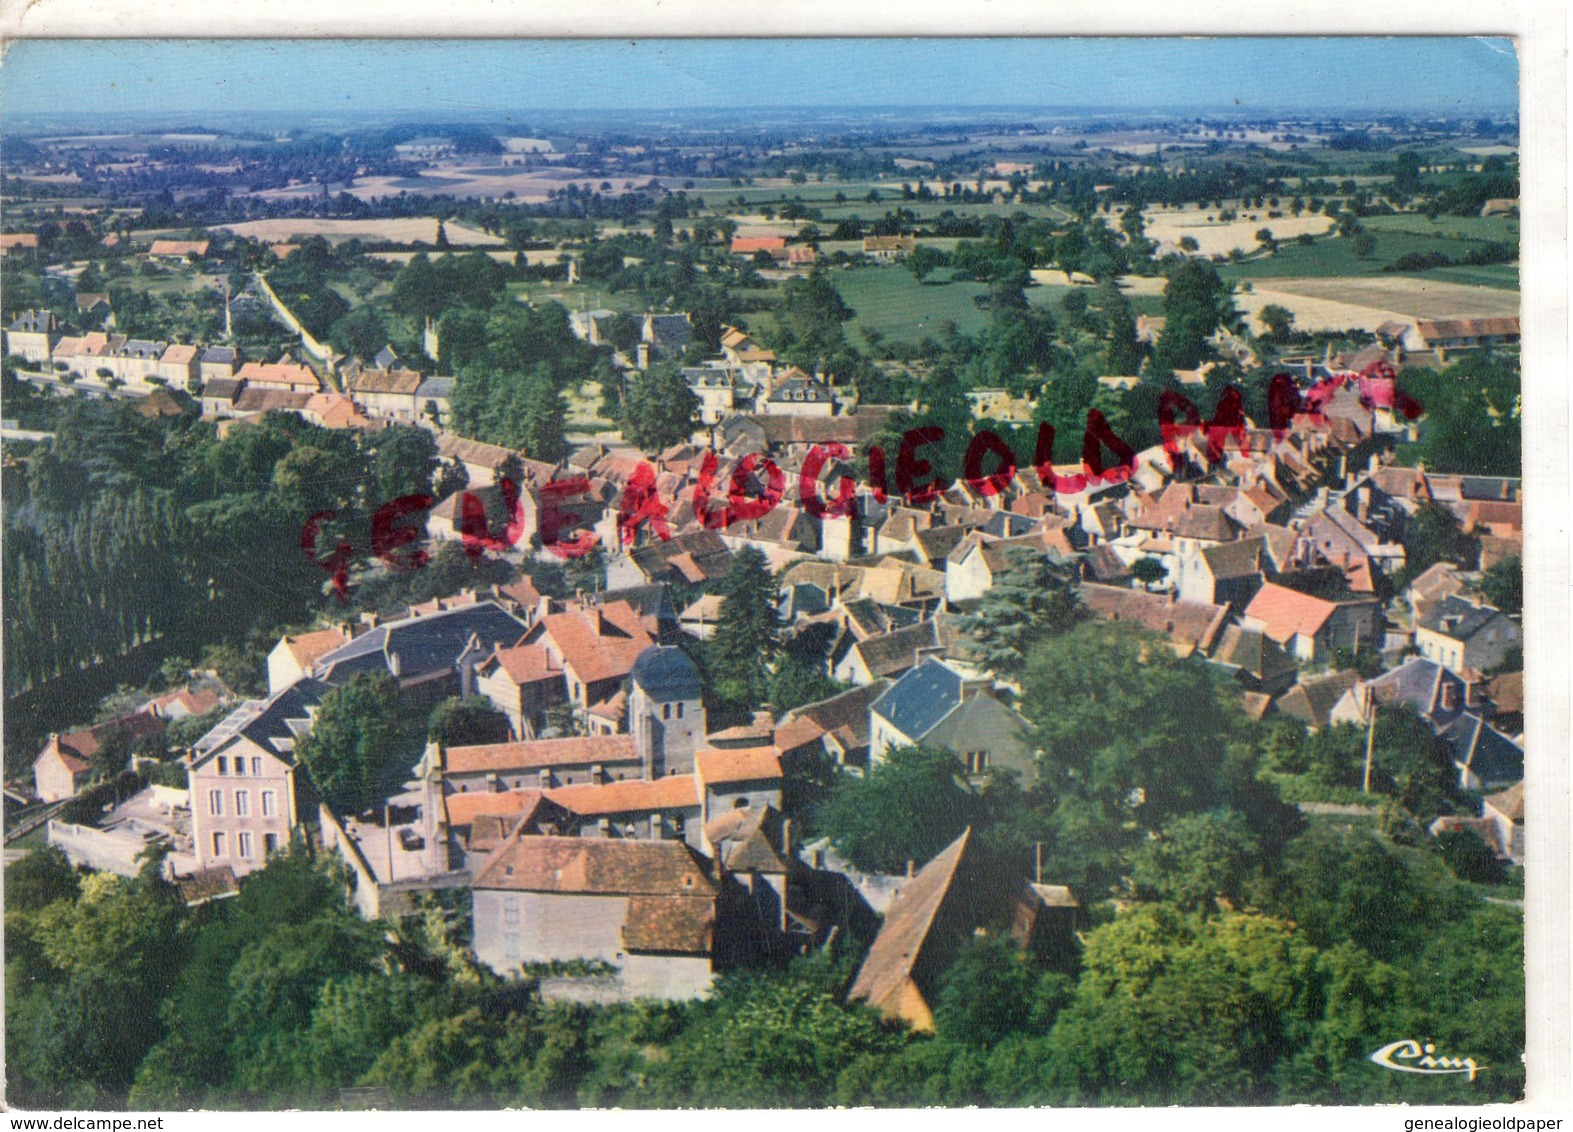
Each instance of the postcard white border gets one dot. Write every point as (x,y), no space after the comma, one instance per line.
(1540,29)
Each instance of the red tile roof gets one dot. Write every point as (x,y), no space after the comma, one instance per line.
(683,925)
(748,245)
(526,664)
(463,809)
(307,647)
(886,978)
(178,247)
(1285,613)
(744,764)
(595,865)
(580,750)
(599,643)
(676,791)
(295,377)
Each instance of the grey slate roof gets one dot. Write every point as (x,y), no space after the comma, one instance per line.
(1254,652)
(1459,618)
(35,322)
(921,699)
(800,600)
(274,723)
(666,674)
(1418,682)
(425,644)
(1240,559)
(1008,524)
(1488,754)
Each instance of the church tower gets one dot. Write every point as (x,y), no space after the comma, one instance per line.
(665,711)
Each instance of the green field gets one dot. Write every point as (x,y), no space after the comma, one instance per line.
(1503,229)
(890,301)
(1502,275)
(1333,256)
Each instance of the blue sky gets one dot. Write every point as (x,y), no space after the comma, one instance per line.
(1455,75)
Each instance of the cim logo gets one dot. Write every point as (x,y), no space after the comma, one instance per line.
(1424,1059)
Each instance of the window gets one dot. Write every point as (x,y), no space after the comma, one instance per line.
(510,945)
(270,843)
(510,910)
(216,803)
(240,766)
(679,711)
(242,803)
(219,846)
(256,766)
(666,711)
(268,806)
(223,765)
(243,844)
(977,762)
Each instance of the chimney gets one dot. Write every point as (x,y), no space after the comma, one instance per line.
(600,622)
(598,775)
(369,619)
(544,778)
(910,868)
(394,666)
(786,836)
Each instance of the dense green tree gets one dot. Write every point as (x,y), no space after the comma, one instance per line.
(799,680)
(1431,535)
(461,338)
(925,260)
(1149,571)
(39,879)
(1503,585)
(772,1041)
(361,333)
(1119,329)
(354,739)
(1469,857)
(519,410)
(909,805)
(1278,320)
(992,990)
(406,458)
(1176,1009)
(1473,416)
(658,410)
(458,722)
(1035,597)
(747,635)
(1131,736)
(1195,303)
(1197,859)
(812,313)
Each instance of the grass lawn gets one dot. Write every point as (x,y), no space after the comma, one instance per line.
(579,296)
(890,301)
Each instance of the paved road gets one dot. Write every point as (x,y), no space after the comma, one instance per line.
(25,434)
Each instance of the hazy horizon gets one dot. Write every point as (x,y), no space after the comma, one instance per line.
(469,79)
